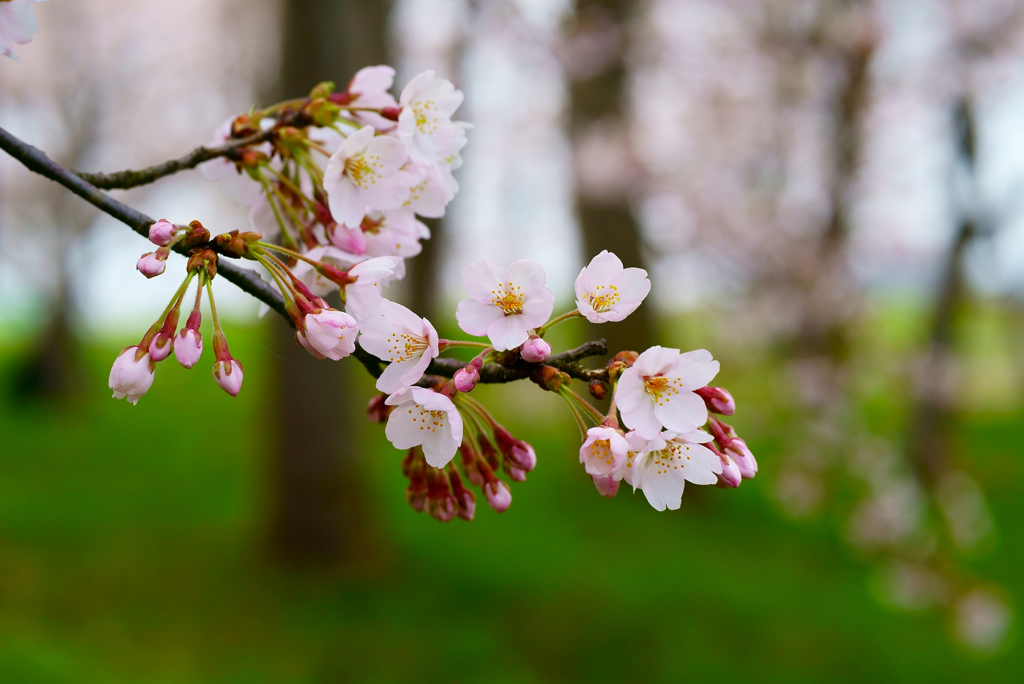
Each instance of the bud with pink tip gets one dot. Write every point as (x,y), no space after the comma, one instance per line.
(514,472)
(738,450)
(520,453)
(466,378)
(730,477)
(607,485)
(328,333)
(132,374)
(162,233)
(499,496)
(465,499)
(441,502)
(535,350)
(228,374)
(469,463)
(160,347)
(152,264)
(718,400)
(188,344)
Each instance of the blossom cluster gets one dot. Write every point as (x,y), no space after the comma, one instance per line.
(335,184)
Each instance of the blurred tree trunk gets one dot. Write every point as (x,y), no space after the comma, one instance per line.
(606,220)
(320,514)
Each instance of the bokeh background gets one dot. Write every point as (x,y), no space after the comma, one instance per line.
(827,194)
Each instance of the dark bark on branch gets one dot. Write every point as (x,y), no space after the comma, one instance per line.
(122,180)
(249,281)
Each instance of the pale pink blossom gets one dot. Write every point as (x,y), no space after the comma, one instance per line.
(132,374)
(228,374)
(670,460)
(17,24)
(658,390)
(349,240)
(425,125)
(329,333)
(425,417)
(604,451)
(393,233)
(152,264)
(431,188)
(162,233)
(368,89)
(499,496)
(236,183)
(363,295)
(535,350)
(365,174)
(403,338)
(504,304)
(188,347)
(605,291)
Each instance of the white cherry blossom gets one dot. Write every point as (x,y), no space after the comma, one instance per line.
(403,338)
(365,174)
(17,24)
(393,233)
(605,291)
(604,451)
(663,465)
(362,296)
(424,417)
(369,89)
(425,124)
(658,391)
(504,303)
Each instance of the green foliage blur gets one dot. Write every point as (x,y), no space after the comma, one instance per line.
(133,549)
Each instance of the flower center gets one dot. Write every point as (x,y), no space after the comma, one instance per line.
(601,450)
(426,118)
(364,170)
(603,297)
(672,457)
(429,420)
(509,298)
(661,388)
(405,346)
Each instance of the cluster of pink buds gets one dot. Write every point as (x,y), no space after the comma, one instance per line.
(134,369)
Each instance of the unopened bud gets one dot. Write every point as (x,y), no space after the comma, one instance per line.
(738,450)
(228,374)
(203,260)
(514,472)
(321,90)
(195,236)
(730,477)
(188,347)
(160,347)
(465,499)
(466,378)
(535,350)
(626,357)
(499,496)
(131,376)
(323,112)
(518,452)
(162,233)
(391,113)
(152,264)
(606,485)
(718,400)
(598,389)
(550,378)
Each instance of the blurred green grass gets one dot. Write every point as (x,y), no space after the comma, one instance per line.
(132,550)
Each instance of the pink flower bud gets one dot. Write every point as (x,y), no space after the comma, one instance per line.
(738,450)
(444,509)
(330,333)
(160,347)
(516,473)
(228,374)
(188,347)
(499,496)
(730,476)
(718,400)
(606,485)
(131,376)
(162,233)
(377,411)
(466,379)
(519,453)
(151,264)
(535,350)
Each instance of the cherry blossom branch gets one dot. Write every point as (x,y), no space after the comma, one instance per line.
(250,282)
(122,180)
